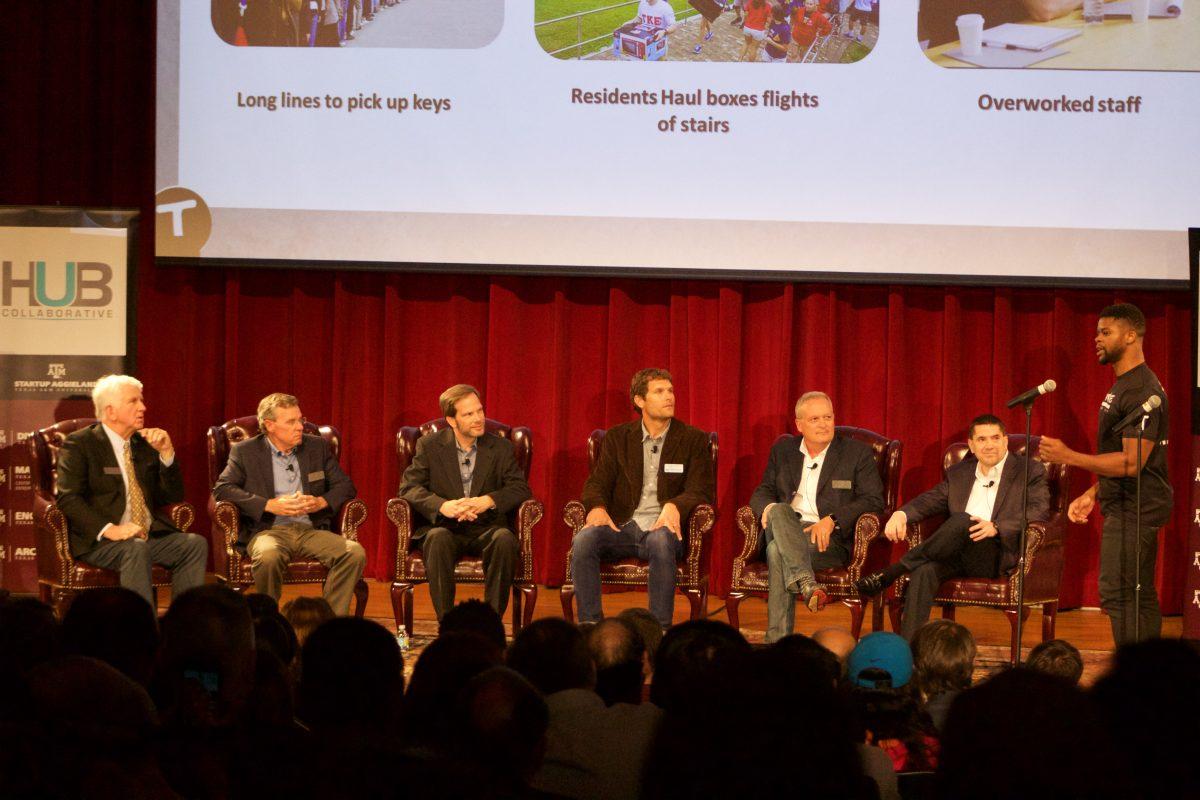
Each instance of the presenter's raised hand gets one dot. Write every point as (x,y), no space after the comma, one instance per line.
(896,529)
(1054,451)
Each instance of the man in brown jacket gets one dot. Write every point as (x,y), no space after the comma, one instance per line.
(650,474)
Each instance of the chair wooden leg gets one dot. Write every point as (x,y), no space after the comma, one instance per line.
(530,593)
(1049,618)
(60,601)
(402,606)
(567,595)
(877,613)
(732,601)
(857,612)
(948,610)
(698,600)
(1014,653)
(361,592)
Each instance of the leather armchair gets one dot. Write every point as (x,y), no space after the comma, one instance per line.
(59,575)
(230,562)
(1043,558)
(410,563)
(871,551)
(691,573)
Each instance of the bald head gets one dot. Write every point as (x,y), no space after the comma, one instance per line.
(837,641)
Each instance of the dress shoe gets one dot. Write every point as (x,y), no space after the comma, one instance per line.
(871,585)
(815,597)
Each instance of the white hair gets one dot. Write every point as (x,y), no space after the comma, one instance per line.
(107,391)
(804,398)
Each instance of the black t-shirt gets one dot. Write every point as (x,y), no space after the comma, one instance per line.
(1119,495)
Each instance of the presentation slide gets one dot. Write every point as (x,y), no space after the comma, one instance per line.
(884,140)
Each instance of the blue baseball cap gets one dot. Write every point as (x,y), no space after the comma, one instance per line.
(880,650)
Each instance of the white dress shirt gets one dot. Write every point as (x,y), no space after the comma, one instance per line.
(118,446)
(804,501)
(982,501)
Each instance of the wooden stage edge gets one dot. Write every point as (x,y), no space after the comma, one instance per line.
(1087,629)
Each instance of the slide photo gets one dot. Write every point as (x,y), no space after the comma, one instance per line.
(784,32)
(462,24)
(1060,34)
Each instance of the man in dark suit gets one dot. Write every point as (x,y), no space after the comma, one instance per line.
(465,482)
(981,498)
(112,478)
(289,488)
(814,489)
(650,474)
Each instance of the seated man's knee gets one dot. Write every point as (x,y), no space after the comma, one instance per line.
(505,541)
(587,541)
(196,545)
(356,553)
(780,513)
(661,545)
(133,551)
(266,553)
(437,540)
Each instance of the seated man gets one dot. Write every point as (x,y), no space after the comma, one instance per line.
(814,489)
(288,487)
(112,478)
(649,476)
(465,482)
(981,498)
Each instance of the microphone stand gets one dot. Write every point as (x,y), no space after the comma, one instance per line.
(1137,543)
(1024,524)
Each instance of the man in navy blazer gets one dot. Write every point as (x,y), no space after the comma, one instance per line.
(289,488)
(981,500)
(465,482)
(814,489)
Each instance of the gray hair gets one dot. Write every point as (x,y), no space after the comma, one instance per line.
(804,398)
(108,389)
(267,406)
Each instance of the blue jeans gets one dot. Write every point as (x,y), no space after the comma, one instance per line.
(597,543)
(792,557)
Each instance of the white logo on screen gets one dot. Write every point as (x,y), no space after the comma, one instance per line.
(56,370)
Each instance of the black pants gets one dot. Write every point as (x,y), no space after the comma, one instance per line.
(442,547)
(948,553)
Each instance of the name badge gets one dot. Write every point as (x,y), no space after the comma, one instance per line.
(112,470)
(842,485)
(676,468)
(319,475)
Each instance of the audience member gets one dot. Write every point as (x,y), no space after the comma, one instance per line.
(116,626)
(943,655)
(838,641)
(878,671)
(691,659)
(619,655)
(500,728)
(475,616)
(305,614)
(441,671)
(1026,734)
(1057,657)
(651,631)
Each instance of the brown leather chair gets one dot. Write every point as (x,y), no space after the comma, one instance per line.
(691,574)
(410,564)
(871,550)
(1043,558)
(59,575)
(230,562)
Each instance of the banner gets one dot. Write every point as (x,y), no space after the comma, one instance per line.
(65,314)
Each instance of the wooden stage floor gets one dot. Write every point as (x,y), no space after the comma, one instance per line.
(1087,629)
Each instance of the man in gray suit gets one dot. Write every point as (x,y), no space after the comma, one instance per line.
(465,482)
(288,487)
(981,500)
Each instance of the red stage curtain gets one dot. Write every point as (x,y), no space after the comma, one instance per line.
(371,351)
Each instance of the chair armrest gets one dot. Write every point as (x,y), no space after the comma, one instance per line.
(1043,561)
(182,515)
(752,533)
(574,516)
(698,542)
(350,518)
(400,513)
(529,513)
(53,540)
(872,550)
(226,527)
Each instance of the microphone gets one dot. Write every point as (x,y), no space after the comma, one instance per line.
(1028,397)
(814,465)
(466,462)
(1152,402)
(654,448)
(290,467)
(989,484)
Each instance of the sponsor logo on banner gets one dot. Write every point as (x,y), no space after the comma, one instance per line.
(22,518)
(3,476)
(22,478)
(24,553)
(21,436)
(1196,559)
(4,520)
(4,437)
(1196,598)
(56,370)
(3,553)
(83,288)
